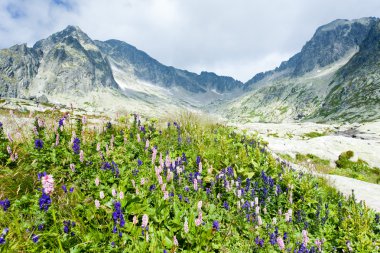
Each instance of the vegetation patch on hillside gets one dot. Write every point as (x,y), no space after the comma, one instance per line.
(140,185)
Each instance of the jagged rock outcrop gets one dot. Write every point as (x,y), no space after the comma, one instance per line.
(18,66)
(355,92)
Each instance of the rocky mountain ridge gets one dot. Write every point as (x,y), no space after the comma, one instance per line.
(314,83)
(334,77)
(71,62)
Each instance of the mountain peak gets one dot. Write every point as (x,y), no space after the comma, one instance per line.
(333,25)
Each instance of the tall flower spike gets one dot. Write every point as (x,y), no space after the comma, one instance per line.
(186,227)
(145,221)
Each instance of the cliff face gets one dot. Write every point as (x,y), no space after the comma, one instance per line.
(18,67)
(355,90)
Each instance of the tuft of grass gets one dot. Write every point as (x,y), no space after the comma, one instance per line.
(356,169)
(313,135)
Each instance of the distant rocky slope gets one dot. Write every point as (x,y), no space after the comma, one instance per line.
(355,89)
(335,77)
(69,63)
(318,82)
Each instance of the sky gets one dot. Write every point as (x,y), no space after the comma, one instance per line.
(237,38)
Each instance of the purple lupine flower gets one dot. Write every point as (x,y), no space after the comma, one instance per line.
(198,160)
(76,146)
(225,205)
(272,239)
(215,225)
(38,144)
(259,242)
(230,171)
(45,202)
(2,240)
(5,204)
(152,187)
(139,162)
(71,189)
(64,188)
(35,238)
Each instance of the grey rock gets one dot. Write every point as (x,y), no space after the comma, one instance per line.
(145,68)
(42,99)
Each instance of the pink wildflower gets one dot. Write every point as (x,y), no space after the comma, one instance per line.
(101,195)
(145,220)
(35,131)
(195,182)
(198,221)
(319,244)
(121,195)
(257,211)
(97,204)
(97,181)
(72,167)
(114,192)
(135,220)
(199,205)
(84,120)
(57,139)
(280,243)
(10,137)
(154,155)
(175,241)
(305,237)
(166,195)
(81,156)
(186,227)
(48,183)
(259,220)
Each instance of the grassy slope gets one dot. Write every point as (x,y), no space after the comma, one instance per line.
(319,209)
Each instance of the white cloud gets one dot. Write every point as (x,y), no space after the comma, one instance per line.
(237,38)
